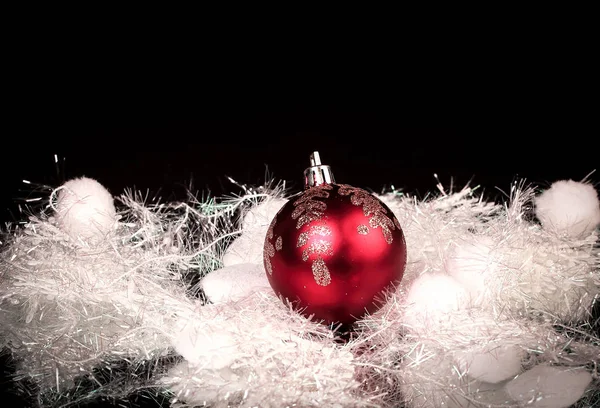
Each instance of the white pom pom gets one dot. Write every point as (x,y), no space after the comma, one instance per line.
(248,247)
(261,215)
(492,363)
(208,346)
(569,207)
(471,264)
(430,298)
(245,249)
(549,387)
(85,210)
(234,282)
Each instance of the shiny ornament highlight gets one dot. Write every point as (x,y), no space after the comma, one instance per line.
(334,250)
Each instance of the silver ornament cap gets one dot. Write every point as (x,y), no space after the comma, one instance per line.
(317,173)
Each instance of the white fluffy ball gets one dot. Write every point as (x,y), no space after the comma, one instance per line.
(85,210)
(234,282)
(248,247)
(430,299)
(262,215)
(569,207)
(245,249)
(206,345)
(546,386)
(492,363)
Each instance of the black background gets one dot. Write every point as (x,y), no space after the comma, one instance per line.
(365,149)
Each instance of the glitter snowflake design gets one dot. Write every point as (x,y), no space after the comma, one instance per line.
(371,208)
(309,210)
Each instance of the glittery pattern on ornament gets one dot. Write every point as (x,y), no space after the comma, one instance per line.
(279,243)
(322,230)
(362,229)
(307,210)
(269,251)
(321,247)
(320,272)
(371,207)
(271,227)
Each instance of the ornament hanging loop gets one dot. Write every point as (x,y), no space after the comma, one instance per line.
(317,173)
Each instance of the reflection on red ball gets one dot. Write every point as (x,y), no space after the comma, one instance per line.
(333,251)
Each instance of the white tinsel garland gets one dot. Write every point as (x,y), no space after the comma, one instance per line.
(493,310)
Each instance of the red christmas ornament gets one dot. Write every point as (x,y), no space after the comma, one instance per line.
(332,250)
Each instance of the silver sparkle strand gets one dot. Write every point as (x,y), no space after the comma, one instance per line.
(140,253)
(56,166)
